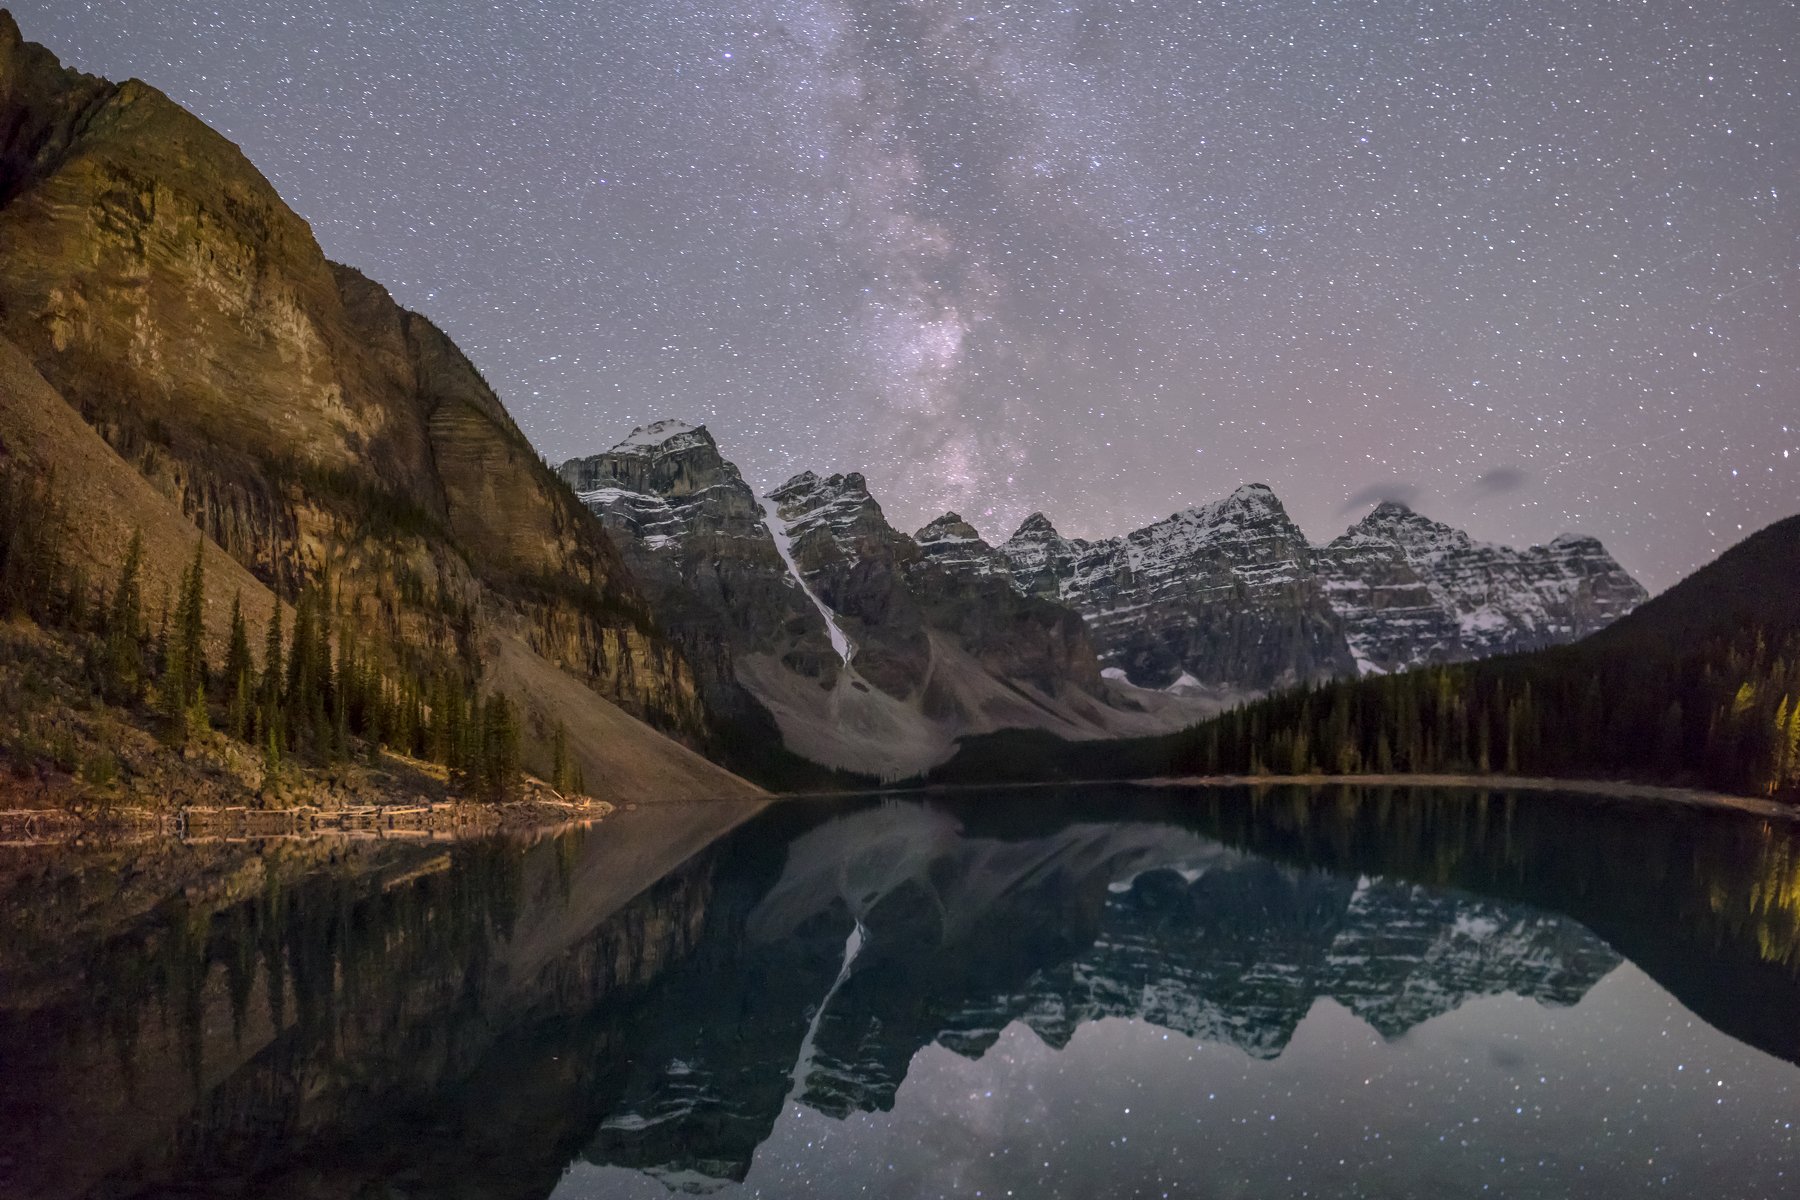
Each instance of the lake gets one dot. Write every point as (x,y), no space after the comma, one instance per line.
(1100,991)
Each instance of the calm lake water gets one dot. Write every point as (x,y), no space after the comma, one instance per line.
(1092,992)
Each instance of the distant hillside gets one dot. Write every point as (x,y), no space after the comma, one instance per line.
(1700,686)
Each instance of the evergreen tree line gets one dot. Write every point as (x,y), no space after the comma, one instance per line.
(322,694)
(1723,713)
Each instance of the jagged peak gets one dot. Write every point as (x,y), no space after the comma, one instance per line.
(1392,522)
(1035,528)
(1255,500)
(833,486)
(949,527)
(805,481)
(668,434)
(1254,496)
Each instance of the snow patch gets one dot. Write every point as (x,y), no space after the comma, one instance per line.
(784,546)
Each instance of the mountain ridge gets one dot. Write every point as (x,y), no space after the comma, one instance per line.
(1181,597)
(871,649)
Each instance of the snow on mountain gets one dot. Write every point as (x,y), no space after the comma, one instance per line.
(1230,594)
(784,545)
(1223,593)
(1410,590)
(866,649)
(953,544)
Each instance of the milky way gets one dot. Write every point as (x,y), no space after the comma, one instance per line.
(1530,266)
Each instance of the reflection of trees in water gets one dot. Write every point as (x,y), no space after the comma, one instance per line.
(1725,879)
(336,1030)
(333,948)
(1773,909)
(351,1025)
(1707,903)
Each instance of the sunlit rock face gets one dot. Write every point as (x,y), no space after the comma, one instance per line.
(1231,595)
(286,404)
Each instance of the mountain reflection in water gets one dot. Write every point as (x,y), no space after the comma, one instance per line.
(1111,991)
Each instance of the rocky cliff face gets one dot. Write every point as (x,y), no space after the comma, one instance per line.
(1231,596)
(287,405)
(1222,596)
(856,564)
(694,534)
(1410,590)
(872,650)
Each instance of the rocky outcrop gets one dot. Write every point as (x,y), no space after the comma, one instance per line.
(288,406)
(1231,596)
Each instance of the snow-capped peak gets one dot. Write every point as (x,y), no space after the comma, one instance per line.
(666,435)
(1035,528)
(948,528)
(800,484)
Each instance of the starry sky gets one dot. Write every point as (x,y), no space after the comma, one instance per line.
(1528,266)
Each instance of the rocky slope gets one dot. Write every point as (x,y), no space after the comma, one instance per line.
(870,649)
(1231,596)
(286,406)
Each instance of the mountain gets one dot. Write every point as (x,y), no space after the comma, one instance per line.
(313,431)
(1699,687)
(1230,596)
(1225,595)
(1411,591)
(869,649)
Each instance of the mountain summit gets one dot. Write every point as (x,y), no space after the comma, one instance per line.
(1231,595)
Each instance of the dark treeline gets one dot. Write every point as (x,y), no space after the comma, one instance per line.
(324,692)
(1699,687)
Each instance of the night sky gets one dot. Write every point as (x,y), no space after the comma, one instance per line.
(1530,266)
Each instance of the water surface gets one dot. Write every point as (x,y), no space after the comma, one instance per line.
(1090,992)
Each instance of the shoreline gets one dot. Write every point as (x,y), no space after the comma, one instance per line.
(454,820)
(1691,797)
(1615,789)
(444,820)
(1620,790)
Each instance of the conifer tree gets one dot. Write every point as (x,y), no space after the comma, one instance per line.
(562,770)
(181,689)
(31,566)
(500,752)
(122,658)
(240,680)
(271,761)
(269,698)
